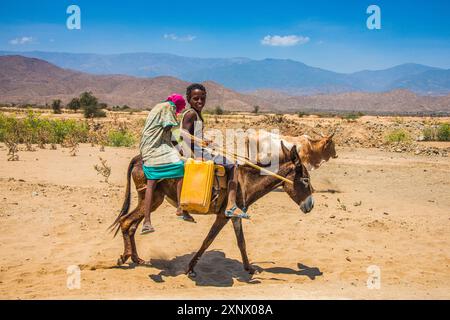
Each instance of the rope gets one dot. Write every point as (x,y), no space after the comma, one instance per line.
(243,159)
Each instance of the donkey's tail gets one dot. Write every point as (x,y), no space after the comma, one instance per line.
(127,201)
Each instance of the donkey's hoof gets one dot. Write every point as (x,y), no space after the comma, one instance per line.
(251,270)
(191,274)
(121,260)
(138,261)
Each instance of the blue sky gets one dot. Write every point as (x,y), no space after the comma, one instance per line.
(327,34)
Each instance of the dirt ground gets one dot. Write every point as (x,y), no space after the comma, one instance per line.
(373,208)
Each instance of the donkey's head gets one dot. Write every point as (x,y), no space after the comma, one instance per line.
(301,190)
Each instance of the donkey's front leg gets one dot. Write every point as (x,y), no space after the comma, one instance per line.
(220,222)
(237,225)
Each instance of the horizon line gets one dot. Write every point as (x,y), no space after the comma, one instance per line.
(250,59)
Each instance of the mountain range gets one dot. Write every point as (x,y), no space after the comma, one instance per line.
(30,80)
(247,75)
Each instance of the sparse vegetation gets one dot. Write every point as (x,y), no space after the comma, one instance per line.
(121,138)
(56,106)
(36,130)
(437,133)
(275,119)
(93,111)
(120,108)
(218,110)
(352,116)
(443,133)
(103,169)
(92,108)
(74,104)
(71,141)
(398,135)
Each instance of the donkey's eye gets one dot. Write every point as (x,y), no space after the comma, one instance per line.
(305,182)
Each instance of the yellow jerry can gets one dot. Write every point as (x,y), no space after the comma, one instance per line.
(197,186)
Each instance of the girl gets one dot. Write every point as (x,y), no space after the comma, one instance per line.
(161,159)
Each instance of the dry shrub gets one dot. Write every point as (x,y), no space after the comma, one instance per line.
(71,141)
(103,169)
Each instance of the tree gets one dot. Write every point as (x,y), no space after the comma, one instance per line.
(74,104)
(218,110)
(90,105)
(93,111)
(56,106)
(255,109)
(88,99)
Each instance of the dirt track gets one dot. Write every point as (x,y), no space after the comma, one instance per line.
(372,208)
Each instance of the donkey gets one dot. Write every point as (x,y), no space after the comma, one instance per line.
(252,187)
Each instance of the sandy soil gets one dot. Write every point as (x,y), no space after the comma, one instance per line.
(372,208)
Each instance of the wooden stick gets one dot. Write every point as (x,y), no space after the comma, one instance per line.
(245,160)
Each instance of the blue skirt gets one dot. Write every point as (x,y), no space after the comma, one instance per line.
(164,171)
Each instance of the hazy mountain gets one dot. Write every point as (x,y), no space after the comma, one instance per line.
(288,75)
(383,80)
(435,81)
(132,64)
(30,80)
(243,74)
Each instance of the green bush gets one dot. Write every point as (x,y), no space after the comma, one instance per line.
(443,132)
(398,135)
(56,106)
(88,99)
(437,133)
(352,115)
(218,110)
(94,111)
(36,130)
(60,129)
(429,134)
(120,138)
(74,104)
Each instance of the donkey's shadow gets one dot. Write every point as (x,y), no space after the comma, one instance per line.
(215,269)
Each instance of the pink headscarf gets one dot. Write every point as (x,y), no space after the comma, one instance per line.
(178,100)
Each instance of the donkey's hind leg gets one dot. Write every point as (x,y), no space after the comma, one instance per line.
(125,225)
(220,222)
(158,199)
(134,256)
(237,225)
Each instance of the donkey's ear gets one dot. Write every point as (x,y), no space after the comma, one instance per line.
(295,158)
(284,149)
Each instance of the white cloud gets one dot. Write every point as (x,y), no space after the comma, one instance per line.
(174,37)
(284,41)
(20,41)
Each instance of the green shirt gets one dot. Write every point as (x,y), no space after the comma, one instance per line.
(156,146)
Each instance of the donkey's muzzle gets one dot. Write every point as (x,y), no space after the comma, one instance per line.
(307,205)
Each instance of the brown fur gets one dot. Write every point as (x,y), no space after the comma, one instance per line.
(312,152)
